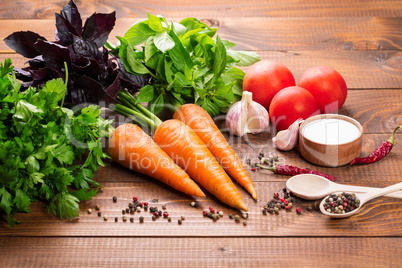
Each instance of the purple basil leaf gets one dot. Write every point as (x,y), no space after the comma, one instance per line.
(98,27)
(64,30)
(131,81)
(113,89)
(89,91)
(37,62)
(70,12)
(85,48)
(23,43)
(54,55)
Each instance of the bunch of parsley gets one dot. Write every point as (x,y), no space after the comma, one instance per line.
(47,152)
(185,62)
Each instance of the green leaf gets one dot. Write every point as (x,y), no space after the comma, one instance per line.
(209,106)
(219,60)
(36,177)
(150,49)
(244,58)
(6,203)
(146,94)
(25,110)
(56,86)
(22,201)
(156,105)
(154,23)
(6,68)
(32,165)
(179,54)
(84,194)
(129,58)
(64,153)
(163,41)
(139,33)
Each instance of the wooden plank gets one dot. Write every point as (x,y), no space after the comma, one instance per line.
(360,69)
(262,33)
(381,217)
(36,9)
(203,252)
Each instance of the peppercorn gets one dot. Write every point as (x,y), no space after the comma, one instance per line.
(141,218)
(135,198)
(276,195)
(89,211)
(114,199)
(116,219)
(124,218)
(169,219)
(252,169)
(264,211)
(153,217)
(245,215)
(165,214)
(131,219)
(230,216)
(123,211)
(215,217)
(97,207)
(244,222)
(211,209)
(220,213)
(237,218)
(139,209)
(105,218)
(99,214)
(163,207)
(209,215)
(192,204)
(179,221)
(145,207)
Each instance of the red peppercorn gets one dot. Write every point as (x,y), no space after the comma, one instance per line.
(165,215)
(253,169)
(135,198)
(298,210)
(205,213)
(145,203)
(211,209)
(332,204)
(288,207)
(276,195)
(156,214)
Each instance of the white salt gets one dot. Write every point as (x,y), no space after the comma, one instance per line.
(330,131)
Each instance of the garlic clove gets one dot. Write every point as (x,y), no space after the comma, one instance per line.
(287,139)
(247,116)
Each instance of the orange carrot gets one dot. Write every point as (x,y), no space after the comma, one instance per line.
(181,143)
(204,126)
(131,147)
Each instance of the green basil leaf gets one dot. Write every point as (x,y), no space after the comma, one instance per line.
(154,23)
(163,41)
(179,29)
(209,106)
(156,105)
(220,58)
(228,44)
(150,49)
(146,94)
(139,33)
(179,54)
(244,58)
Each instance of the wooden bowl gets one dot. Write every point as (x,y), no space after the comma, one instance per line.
(330,154)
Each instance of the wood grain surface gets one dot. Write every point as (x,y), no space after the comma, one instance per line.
(361,39)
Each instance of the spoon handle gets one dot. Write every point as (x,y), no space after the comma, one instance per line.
(364,189)
(380,192)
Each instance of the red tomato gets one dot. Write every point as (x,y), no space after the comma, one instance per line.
(266,78)
(327,86)
(290,104)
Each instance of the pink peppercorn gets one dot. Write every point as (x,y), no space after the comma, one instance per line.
(205,212)
(298,210)
(145,203)
(276,195)
(135,198)
(253,169)
(332,204)
(165,215)
(211,209)
(288,207)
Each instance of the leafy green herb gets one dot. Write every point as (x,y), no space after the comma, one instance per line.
(47,152)
(186,64)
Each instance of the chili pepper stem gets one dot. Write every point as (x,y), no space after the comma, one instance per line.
(273,169)
(392,138)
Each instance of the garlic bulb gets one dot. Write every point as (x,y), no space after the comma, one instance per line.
(247,116)
(287,139)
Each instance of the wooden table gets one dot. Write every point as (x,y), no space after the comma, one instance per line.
(360,39)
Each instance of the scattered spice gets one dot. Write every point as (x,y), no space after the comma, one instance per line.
(124,218)
(114,199)
(245,222)
(99,213)
(298,210)
(231,216)
(164,207)
(383,150)
(105,218)
(237,218)
(116,219)
(179,221)
(141,218)
(89,211)
(131,219)
(97,207)
(123,211)
(169,219)
(135,198)
(183,217)
(245,215)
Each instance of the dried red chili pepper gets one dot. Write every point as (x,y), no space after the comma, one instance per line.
(292,170)
(383,150)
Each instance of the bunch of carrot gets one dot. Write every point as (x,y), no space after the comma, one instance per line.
(190,143)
